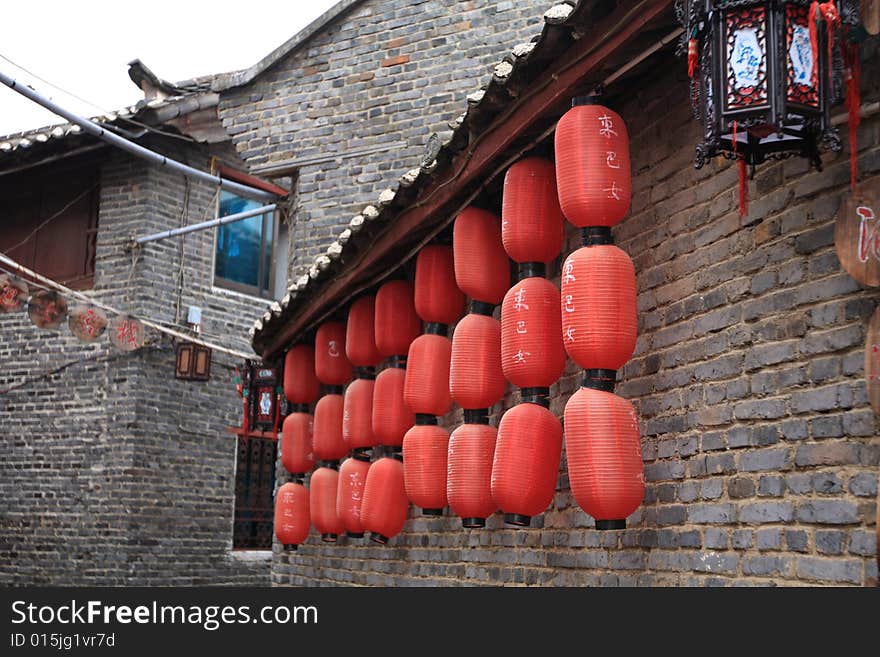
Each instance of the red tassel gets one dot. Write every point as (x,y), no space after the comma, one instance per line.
(814,42)
(692,57)
(743,185)
(277,415)
(244,421)
(853,106)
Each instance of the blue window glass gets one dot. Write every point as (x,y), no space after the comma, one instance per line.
(243,258)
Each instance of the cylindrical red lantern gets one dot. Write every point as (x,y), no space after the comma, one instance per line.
(599,307)
(476,379)
(296,443)
(426,389)
(532,354)
(533,225)
(469,473)
(397,323)
(357,415)
(331,364)
(592,165)
(437,296)
(360,340)
(323,486)
(482,269)
(384,508)
(292,514)
(327,441)
(604,456)
(425,449)
(350,494)
(301,386)
(392,418)
(526,462)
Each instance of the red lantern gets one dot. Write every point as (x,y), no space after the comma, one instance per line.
(482,269)
(599,307)
(384,509)
(360,342)
(357,414)
(350,495)
(327,441)
(437,297)
(475,376)
(292,514)
(301,386)
(533,225)
(532,354)
(331,365)
(397,323)
(424,467)
(604,456)
(592,166)
(469,473)
(322,496)
(526,463)
(296,443)
(426,389)
(392,418)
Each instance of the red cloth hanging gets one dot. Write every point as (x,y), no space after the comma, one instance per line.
(437,297)
(526,462)
(426,387)
(392,418)
(469,470)
(350,495)
(532,354)
(476,379)
(424,466)
(532,224)
(296,443)
(360,340)
(331,364)
(301,385)
(593,166)
(323,485)
(292,514)
(397,323)
(357,414)
(599,307)
(327,441)
(385,504)
(604,456)
(482,268)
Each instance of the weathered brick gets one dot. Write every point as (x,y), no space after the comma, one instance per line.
(764,459)
(829,570)
(796,540)
(764,566)
(863,485)
(828,512)
(829,542)
(766,512)
(711,513)
(826,454)
(771,486)
(740,487)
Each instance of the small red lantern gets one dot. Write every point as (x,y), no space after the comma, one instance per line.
(604,456)
(599,307)
(357,415)
(425,449)
(301,386)
(526,462)
(360,340)
(296,443)
(437,296)
(392,418)
(592,165)
(323,486)
(292,515)
(532,354)
(327,441)
(469,473)
(331,365)
(476,379)
(482,269)
(426,389)
(532,223)
(350,494)
(385,505)
(397,323)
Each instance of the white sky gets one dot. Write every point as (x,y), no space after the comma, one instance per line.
(84,46)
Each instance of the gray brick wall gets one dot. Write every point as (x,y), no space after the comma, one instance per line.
(114,471)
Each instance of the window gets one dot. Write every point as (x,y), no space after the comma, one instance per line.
(245,249)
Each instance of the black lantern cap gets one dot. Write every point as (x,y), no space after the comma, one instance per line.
(361,453)
(517,519)
(297,478)
(531,270)
(398,362)
(599,379)
(482,308)
(354,534)
(473,523)
(378,538)
(333,390)
(394,452)
(610,524)
(436,328)
(333,465)
(423,419)
(596,235)
(540,396)
(298,408)
(588,99)
(365,373)
(328,538)
(476,416)
(432,512)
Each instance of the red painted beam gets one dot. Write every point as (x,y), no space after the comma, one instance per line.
(564,77)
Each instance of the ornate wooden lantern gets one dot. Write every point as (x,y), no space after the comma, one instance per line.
(765,74)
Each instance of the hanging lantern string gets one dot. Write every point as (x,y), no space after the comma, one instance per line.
(853,104)
(21,270)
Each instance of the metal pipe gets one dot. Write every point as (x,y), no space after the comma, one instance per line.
(228,219)
(137,150)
